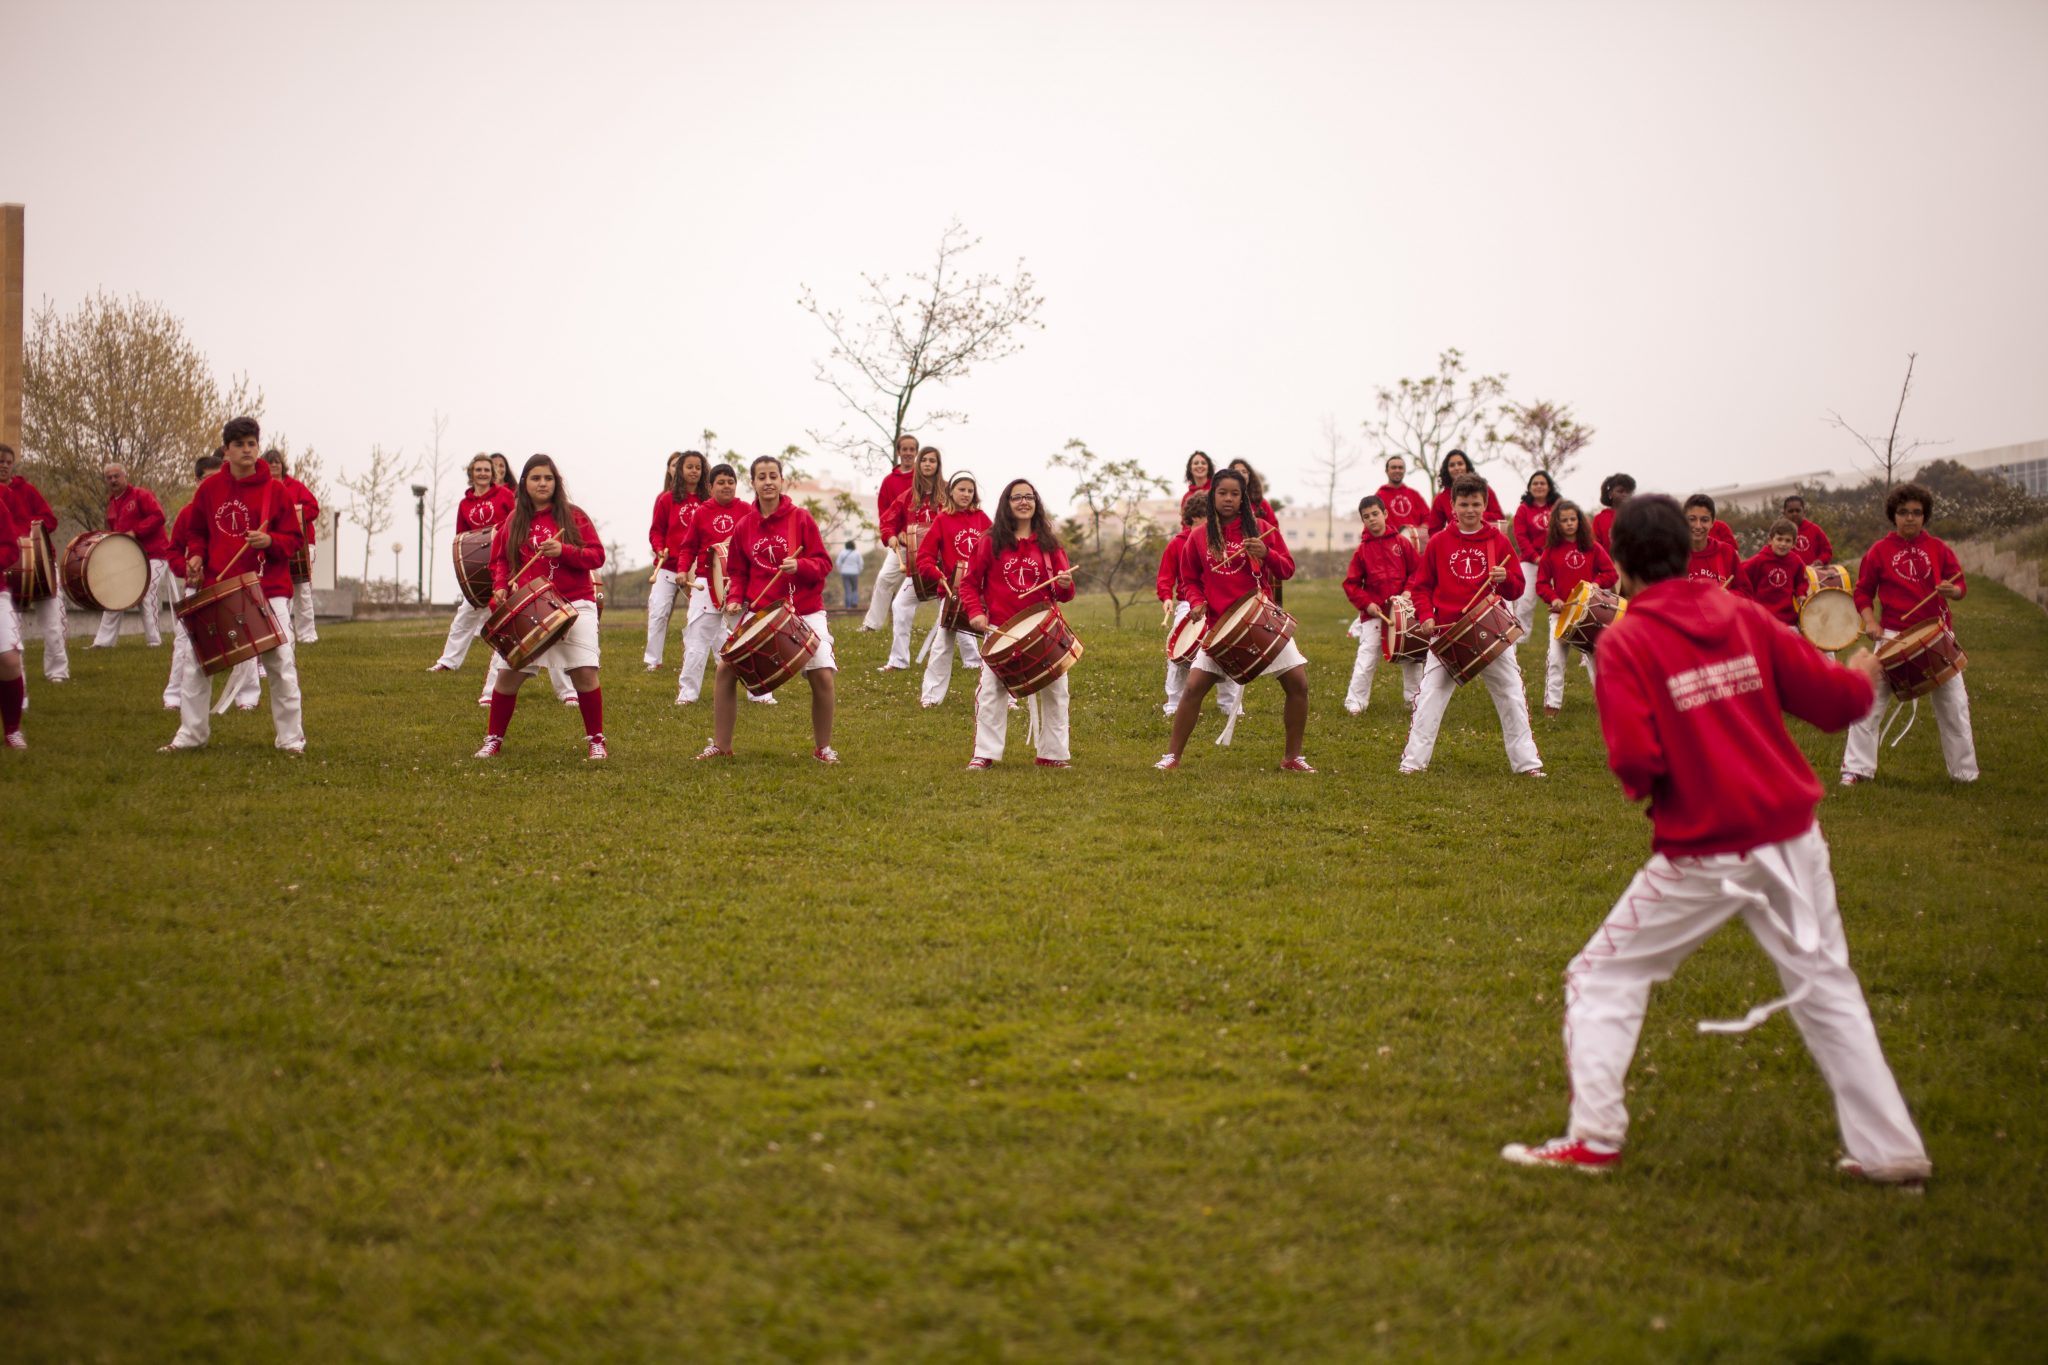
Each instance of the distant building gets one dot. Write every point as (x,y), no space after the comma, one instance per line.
(2025,464)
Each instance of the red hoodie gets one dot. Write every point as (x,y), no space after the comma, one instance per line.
(1405,506)
(1899,576)
(760,544)
(1773,582)
(1442,515)
(1193,489)
(225,510)
(894,484)
(1691,685)
(1455,568)
(29,506)
(570,573)
(1000,583)
(1565,566)
(1214,582)
(136,512)
(11,532)
(1603,527)
(1813,545)
(1720,531)
(308,506)
(1717,564)
(480,513)
(711,525)
(946,550)
(1532,524)
(1381,568)
(675,529)
(1169,567)
(661,527)
(905,512)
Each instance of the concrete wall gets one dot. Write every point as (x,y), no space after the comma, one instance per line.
(1983,560)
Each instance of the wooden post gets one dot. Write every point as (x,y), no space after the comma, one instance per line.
(11,298)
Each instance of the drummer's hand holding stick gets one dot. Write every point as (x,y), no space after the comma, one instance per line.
(1865,662)
(552,547)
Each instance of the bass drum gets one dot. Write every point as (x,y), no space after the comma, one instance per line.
(1486,631)
(769,648)
(1031,649)
(1827,610)
(1248,636)
(105,571)
(534,617)
(1921,659)
(229,623)
(472,551)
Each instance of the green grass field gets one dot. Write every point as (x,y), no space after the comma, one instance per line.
(386,1053)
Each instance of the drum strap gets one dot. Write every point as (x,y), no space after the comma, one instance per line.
(1803,931)
(1031,720)
(1893,714)
(1230,726)
(931,636)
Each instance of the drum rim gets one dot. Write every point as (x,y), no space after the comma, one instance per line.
(1002,632)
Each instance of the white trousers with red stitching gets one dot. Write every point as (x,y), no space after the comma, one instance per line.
(1785,893)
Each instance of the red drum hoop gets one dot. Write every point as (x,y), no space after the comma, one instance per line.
(1921,659)
(34,575)
(953,615)
(472,551)
(1248,636)
(1486,631)
(302,563)
(1184,641)
(1417,536)
(1589,611)
(716,582)
(769,648)
(534,616)
(1031,649)
(229,623)
(913,536)
(105,571)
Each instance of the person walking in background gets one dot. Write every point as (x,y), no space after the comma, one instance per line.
(849,565)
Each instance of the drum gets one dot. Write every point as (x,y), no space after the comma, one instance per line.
(716,582)
(302,563)
(534,616)
(472,551)
(1417,536)
(1827,610)
(34,575)
(1185,639)
(229,623)
(1921,659)
(769,648)
(1399,644)
(105,571)
(953,615)
(1589,610)
(913,536)
(1248,636)
(1486,631)
(1031,649)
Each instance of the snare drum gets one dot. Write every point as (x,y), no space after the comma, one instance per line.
(1486,631)
(953,615)
(913,536)
(1399,644)
(1248,636)
(1417,536)
(534,617)
(769,648)
(716,582)
(1921,659)
(229,623)
(105,571)
(1031,649)
(472,550)
(34,575)
(302,563)
(1589,610)
(1184,641)
(1827,610)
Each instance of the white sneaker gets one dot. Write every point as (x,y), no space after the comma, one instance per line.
(492,744)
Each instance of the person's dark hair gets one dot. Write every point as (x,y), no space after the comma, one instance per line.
(275,459)
(205,465)
(1702,500)
(849,545)
(1650,539)
(1616,483)
(1195,509)
(1905,493)
(1369,501)
(523,512)
(1790,498)
(1468,486)
(700,490)
(1247,519)
(1005,535)
(925,492)
(1254,489)
(1390,459)
(1529,499)
(1443,471)
(721,468)
(241,429)
(6,449)
(1189,470)
(501,469)
(1583,537)
(1781,527)
(959,479)
(759,460)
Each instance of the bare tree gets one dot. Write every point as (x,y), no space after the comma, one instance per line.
(1538,435)
(1118,542)
(1332,463)
(1890,455)
(935,330)
(369,497)
(118,381)
(1422,419)
(441,492)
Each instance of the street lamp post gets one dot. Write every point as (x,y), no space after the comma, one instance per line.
(419,509)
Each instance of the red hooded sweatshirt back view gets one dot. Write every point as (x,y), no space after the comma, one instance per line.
(1691,685)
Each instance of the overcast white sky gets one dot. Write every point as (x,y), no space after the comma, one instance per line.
(582,228)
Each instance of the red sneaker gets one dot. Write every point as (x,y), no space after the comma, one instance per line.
(1564,1151)
(1908,1177)
(828,754)
(1167,762)
(1052,762)
(492,743)
(597,749)
(1296,764)
(979,765)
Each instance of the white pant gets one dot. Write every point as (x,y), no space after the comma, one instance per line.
(195,725)
(661,602)
(902,622)
(182,657)
(1951,717)
(1048,706)
(110,621)
(1553,670)
(886,582)
(704,631)
(305,628)
(1366,666)
(1229,695)
(1785,893)
(47,619)
(1525,605)
(462,632)
(938,665)
(1503,679)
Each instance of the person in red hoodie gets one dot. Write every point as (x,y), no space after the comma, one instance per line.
(242,522)
(904,525)
(1194,511)
(33,516)
(547,536)
(1531,526)
(1381,568)
(1712,560)
(305,624)
(941,560)
(1405,507)
(1019,563)
(1615,490)
(485,505)
(1811,542)
(134,511)
(1773,576)
(687,488)
(776,555)
(1907,579)
(890,576)
(1458,465)
(1570,557)
(702,549)
(1462,563)
(1693,683)
(1230,556)
(182,657)
(13,690)
(1197,472)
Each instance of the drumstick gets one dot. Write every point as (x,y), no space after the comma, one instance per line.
(655,577)
(755,605)
(1931,596)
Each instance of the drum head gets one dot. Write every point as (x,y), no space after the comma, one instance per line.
(1829,619)
(1184,639)
(1013,631)
(1235,617)
(117,572)
(754,629)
